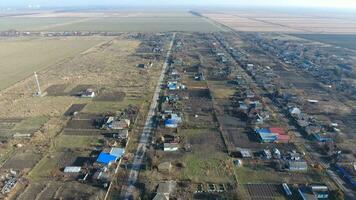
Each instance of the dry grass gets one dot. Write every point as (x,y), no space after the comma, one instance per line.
(100,66)
(19,58)
(295,22)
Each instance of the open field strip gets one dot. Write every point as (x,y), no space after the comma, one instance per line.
(19,58)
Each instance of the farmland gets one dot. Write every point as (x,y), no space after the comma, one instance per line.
(19,58)
(346,41)
(119,22)
(285,22)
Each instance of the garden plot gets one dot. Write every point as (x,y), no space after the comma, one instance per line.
(22,160)
(74,108)
(264,191)
(57,90)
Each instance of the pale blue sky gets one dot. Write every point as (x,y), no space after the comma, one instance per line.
(271,3)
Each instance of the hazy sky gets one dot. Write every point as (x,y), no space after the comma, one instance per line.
(299,3)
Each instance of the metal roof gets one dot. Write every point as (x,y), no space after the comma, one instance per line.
(106,158)
(72,169)
(117,152)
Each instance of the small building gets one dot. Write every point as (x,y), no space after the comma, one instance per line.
(106,158)
(297,165)
(141,65)
(89,93)
(170,123)
(164,190)
(295,111)
(265,135)
(244,153)
(276,153)
(273,134)
(120,124)
(165,167)
(121,134)
(102,178)
(72,169)
(316,192)
(172,85)
(323,137)
(267,154)
(170,147)
(117,152)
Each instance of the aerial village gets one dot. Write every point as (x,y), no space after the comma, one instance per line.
(226,126)
(216,98)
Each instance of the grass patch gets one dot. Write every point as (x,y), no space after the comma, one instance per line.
(70,141)
(207,167)
(193,133)
(110,106)
(248,175)
(220,90)
(261,174)
(31,123)
(44,167)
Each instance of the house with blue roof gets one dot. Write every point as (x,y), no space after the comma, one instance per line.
(173,121)
(265,135)
(172,85)
(106,158)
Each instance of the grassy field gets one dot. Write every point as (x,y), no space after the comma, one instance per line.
(211,167)
(347,41)
(19,58)
(72,141)
(31,123)
(126,22)
(32,23)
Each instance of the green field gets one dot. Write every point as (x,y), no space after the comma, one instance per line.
(32,23)
(346,41)
(209,167)
(19,58)
(142,22)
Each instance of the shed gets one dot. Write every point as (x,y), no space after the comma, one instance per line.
(323,137)
(165,167)
(89,93)
(141,65)
(170,123)
(106,158)
(170,146)
(245,153)
(72,169)
(172,85)
(120,124)
(166,188)
(161,197)
(295,111)
(293,165)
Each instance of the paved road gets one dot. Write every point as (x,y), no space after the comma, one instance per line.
(128,188)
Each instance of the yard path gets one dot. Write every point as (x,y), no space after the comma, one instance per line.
(128,188)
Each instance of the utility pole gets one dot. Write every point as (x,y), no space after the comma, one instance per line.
(39,93)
